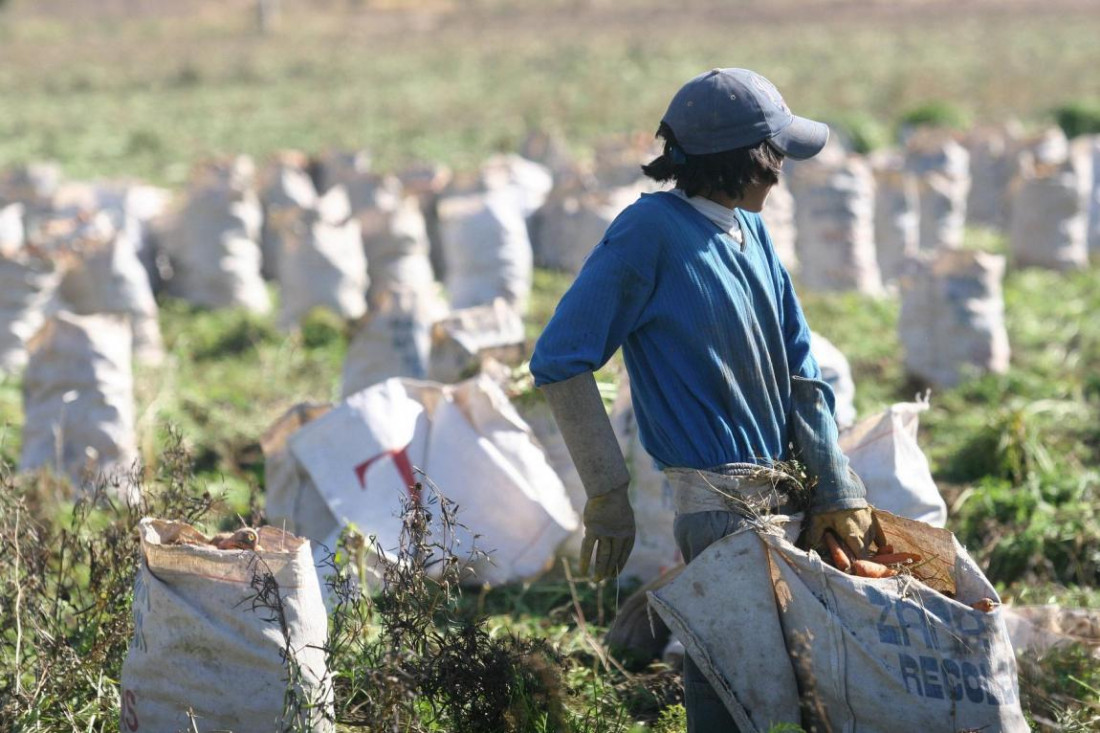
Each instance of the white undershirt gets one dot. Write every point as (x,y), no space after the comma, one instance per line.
(724,218)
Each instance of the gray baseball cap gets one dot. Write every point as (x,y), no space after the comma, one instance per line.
(723,109)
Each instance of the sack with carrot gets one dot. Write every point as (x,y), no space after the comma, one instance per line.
(910,639)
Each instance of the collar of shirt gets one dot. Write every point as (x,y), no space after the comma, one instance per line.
(724,218)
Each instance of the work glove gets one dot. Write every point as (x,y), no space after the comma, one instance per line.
(609,531)
(858,529)
(839,500)
(586,430)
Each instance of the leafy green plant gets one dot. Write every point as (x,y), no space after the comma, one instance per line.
(1079,118)
(935,113)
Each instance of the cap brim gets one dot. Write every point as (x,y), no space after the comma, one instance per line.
(801,139)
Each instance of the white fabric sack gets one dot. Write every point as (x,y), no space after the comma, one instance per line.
(868,655)
(1093,197)
(942,168)
(322,263)
(837,372)
(571,223)
(465,338)
(200,644)
(486,248)
(214,243)
(834,221)
(28,283)
(395,340)
(897,217)
(1049,223)
(536,412)
(292,501)
(952,316)
(884,452)
(285,190)
(104,275)
(779,217)
(78,397)
(469,441)
(395,239)
(530,180)
(655,551)
(991,169)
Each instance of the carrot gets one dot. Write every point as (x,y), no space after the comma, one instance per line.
(886,550)
(870,569)
(896,558)
(840,557)
(986,605)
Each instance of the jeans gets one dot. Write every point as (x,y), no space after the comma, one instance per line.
(706,713)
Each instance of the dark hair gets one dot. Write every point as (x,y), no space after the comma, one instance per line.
(729,171)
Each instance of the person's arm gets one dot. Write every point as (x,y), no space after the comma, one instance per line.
(595,315)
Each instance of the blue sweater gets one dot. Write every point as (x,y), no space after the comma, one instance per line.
(710,332)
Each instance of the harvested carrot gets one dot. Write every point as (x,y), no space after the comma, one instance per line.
(896,558)
(871,569)
(886,550)
(986,605)
(840,557)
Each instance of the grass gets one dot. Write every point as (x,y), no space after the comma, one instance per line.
(147,96)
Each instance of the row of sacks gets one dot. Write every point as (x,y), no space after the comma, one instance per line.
(850,222)
(62,254)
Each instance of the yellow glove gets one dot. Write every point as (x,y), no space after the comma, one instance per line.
(856,528)
(609,530)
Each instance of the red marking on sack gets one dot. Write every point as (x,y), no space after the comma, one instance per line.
(401,461)
(129,710)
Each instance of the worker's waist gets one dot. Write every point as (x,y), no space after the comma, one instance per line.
(737,487)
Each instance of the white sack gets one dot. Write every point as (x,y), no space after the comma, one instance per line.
(465,338)
(942,168)
(104,275)
(1093,198)
(486,248)
(991,170)
(535,411)
(285,190)
(651,497)
(834,221)
(779,217)
(884,452)
(871,654)
(200,644)
(394,340)
(952,316)
(530,180)
(469,441)
(28,282)
(395,239)
(214,243)
(897,217)
(322,264)
(837,372)
(292,502)
(571,223)
(78,397)
(1049,223)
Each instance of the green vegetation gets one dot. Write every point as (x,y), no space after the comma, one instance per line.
(1079,118)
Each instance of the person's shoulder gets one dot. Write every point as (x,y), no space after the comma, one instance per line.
(648,210)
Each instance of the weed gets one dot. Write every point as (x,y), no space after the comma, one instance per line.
(1079,118)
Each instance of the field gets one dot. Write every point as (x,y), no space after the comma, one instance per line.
(145,88)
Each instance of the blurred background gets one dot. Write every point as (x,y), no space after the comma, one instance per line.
(146,87)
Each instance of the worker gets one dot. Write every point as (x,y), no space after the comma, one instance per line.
(686,281)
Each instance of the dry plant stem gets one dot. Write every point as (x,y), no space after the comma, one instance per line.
(601,653)
(18,612)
